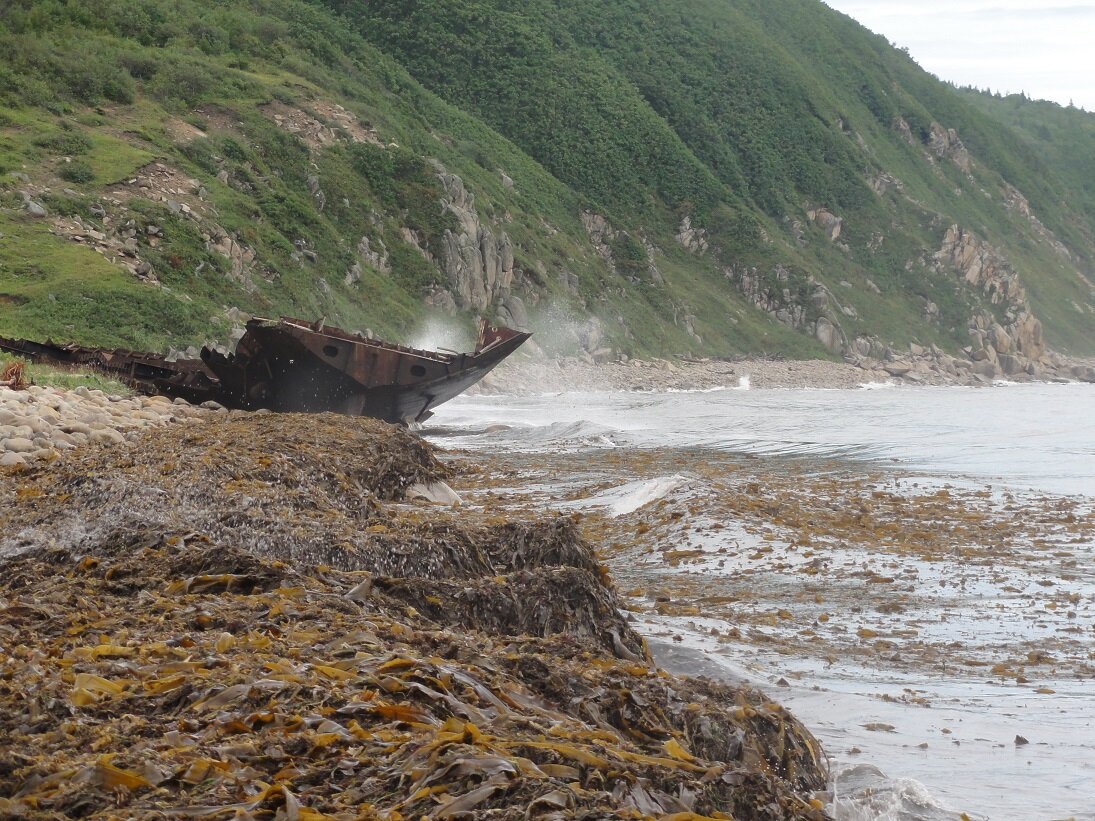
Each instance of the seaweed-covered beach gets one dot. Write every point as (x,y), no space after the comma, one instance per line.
(261,616)
(910,570)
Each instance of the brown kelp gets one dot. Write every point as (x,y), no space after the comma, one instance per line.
(239,617)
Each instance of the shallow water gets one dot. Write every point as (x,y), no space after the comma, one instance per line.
(910,736)
(1033,436)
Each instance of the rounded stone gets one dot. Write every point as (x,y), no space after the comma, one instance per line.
(107,436)
(19,444)
(9,459)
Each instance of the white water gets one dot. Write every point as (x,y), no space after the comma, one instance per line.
(1034,436)
(1026,439)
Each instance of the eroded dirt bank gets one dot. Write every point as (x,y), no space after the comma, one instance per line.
(242,617)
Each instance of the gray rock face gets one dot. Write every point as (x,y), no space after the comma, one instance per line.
(35,209)
(318,196)
(829,335)
(512,312)
(353,275)
(590,334)
(828,222)
(1084,373)
(986,269)
(376,257)
(477,262)
(694,239)
(442,300)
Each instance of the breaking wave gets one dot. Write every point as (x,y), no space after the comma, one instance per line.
(627,498)
(865,793)
(524,437)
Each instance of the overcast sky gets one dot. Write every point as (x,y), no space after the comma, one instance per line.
(1045,49)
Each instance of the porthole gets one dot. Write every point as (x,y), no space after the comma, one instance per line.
(417,370)
(330,350)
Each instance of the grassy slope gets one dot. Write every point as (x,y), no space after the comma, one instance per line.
(740,115)
(784,102)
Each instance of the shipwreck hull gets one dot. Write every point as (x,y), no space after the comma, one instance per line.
(290,365)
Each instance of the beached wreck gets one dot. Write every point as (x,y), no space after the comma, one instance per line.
(294,365)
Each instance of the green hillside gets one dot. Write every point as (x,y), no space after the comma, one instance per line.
(1063,138)
(624,176)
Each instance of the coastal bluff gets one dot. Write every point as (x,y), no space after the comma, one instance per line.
(245,615)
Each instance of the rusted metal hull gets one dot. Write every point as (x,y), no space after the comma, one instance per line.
(293,365)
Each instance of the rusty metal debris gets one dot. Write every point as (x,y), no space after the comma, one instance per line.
(13,377)
(294,365)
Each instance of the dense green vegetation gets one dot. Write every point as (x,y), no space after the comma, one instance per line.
(741,116)
(1063,138)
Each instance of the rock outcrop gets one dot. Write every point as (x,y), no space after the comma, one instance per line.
(827,221)
(601,234)
(477,262)
(1016,202)
(944,143)
(941,143)
(337,124)
(692,238)
(805,305)
(1016,332)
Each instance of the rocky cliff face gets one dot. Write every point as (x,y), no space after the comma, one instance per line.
(477,260)
(1013,342)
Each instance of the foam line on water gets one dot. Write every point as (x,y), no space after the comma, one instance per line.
(629,497)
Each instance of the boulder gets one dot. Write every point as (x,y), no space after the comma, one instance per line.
(828,222)
(11,459)
(829,335)
(1001,341)
(107,436)
(1011,365)
(18,444)
(985,368)
(512,312)
(1084,373)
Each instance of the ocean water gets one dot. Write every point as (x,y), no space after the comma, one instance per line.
(982,698)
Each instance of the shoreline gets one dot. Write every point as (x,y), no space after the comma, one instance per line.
(531,377)
(260,613)
(918,622)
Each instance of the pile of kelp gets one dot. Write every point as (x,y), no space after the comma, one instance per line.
(239,618)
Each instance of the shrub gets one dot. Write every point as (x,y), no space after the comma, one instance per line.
(187,82)
(77,171)
(68,142)
(67,206)
(628,254)
(140,65)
